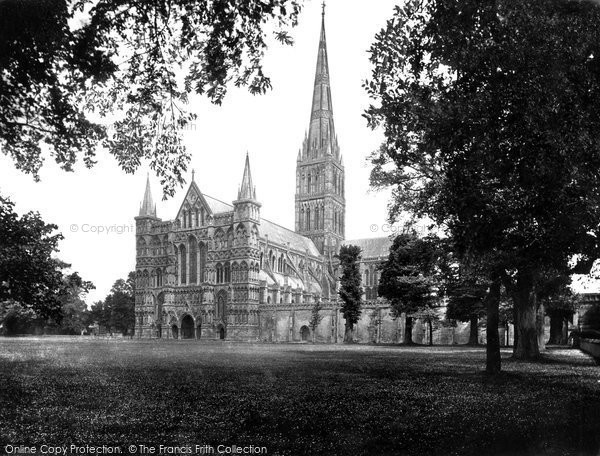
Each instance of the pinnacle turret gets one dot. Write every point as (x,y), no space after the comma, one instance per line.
(148,207)
(247,189)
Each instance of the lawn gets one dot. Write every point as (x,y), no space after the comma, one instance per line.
(295,399)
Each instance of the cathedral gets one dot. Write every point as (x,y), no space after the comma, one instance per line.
(221,271)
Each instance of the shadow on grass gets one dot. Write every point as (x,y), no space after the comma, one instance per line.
(357,400)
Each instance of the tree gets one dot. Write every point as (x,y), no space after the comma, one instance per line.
(506,314)
(75,314)
(466,303)
(121,303)
(489,111)
(409,278)
(375,322)
(315,318)
(100,314)
(430,316)
(350,287)
(29,275)
(67,65)
(15,319)
(560,308)
(117,312)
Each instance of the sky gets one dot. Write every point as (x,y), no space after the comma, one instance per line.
(95,208)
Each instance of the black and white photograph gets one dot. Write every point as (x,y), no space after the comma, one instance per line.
(300,227)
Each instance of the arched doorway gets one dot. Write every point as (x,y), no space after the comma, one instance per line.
(187,327)
(221,332)
(304,333)
(175,332)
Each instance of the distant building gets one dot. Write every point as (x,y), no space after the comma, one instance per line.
(587,317)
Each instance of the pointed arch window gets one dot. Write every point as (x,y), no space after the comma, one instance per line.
(227,273)
(193,247)
(202,262)
(308,219)
(219,269)
(221,306)
(243,272)
(183,263)
(318,182)
(335,181)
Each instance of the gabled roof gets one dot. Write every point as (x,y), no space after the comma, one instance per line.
(217,206)
(195,193)
(372,247)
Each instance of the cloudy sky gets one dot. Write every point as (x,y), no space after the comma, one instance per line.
(270,127)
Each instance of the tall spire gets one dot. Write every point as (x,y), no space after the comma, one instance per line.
(247,190)
(148,207)
(321,134)
(319,202)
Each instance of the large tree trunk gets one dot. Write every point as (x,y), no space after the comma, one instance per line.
(348,333)
(408,331)
(474,331)
(493,358)
(526,328)
(430,324)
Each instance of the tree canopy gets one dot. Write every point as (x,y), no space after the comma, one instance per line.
(489,111)
(117,311)
(411,278)
(66,65)
(74,311)
(71,318)
(351,290)
(29,274)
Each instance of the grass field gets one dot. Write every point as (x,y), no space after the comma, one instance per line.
(295,399)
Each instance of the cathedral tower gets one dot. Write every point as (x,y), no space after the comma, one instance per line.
(320,203)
